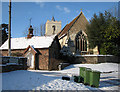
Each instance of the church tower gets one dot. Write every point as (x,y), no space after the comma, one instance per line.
(52,27)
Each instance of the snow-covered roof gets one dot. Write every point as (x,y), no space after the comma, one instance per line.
(35,41)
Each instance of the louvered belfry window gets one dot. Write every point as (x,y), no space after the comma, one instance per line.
(53,29)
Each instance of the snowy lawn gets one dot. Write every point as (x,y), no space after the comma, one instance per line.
(51,80)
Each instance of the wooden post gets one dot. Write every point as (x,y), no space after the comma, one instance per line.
(9,30)
(119,11)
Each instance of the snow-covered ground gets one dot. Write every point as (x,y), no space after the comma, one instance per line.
(51,80)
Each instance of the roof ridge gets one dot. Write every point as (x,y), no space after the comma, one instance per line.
(70,24)
(33,37)
(75,19)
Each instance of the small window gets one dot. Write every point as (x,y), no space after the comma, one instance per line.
(53,29)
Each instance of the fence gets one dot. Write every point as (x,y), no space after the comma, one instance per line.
(12,63)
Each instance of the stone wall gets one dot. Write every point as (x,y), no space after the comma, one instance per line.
(12,63)
(5,52)
(54,55)
(93,59)
(43,59)
(49,58)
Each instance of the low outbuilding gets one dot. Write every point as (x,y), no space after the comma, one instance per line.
(42,52)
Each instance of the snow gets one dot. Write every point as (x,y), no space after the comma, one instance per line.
(51,80)
(103,67)
(62,36)
(2,64)
(12,64)
(35,41)
(93,55)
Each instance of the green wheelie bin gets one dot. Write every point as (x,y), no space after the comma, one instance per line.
(77,79)
(82,73)
(87,76)
(94,78)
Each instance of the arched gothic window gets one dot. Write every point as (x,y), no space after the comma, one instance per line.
(81,42)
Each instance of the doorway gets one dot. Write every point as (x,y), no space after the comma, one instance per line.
(30,60)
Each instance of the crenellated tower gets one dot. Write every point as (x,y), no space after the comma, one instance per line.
(52,27)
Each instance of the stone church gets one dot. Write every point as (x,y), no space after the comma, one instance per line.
(74,36)
(42,52)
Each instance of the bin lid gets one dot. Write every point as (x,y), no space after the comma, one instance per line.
(82,67)
(88,69)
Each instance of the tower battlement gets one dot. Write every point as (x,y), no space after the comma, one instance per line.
(52,27)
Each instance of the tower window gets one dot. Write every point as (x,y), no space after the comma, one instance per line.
(53,29)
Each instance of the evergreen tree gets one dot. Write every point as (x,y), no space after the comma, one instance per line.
(3,33)
(104,32)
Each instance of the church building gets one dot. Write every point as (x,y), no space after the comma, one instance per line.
(74,36)
(42,52)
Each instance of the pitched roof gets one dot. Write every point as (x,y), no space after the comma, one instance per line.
(23,42)
(68,26)
(32,48)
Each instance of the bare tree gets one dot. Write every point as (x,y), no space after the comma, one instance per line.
(25,32)
(3,33)
(114,11)
(36,31)
(42,29)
